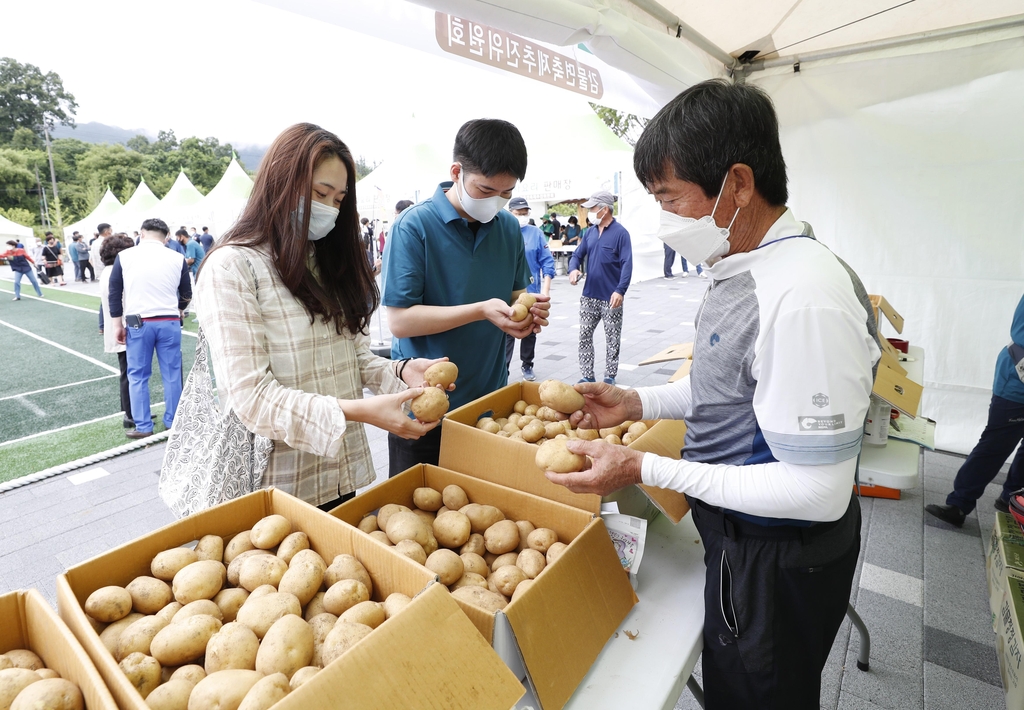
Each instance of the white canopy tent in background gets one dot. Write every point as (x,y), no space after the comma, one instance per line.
(139,207)
(105,211)
(12,230)
(181,206)
(223,204)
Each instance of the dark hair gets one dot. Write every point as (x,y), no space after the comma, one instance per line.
(12,242)
(114,246)
(181,233)
(707,129)
(155,225)
(364,220)
(402,206)
(103,227)
(205,228)
(573,220)
(346,292)
(49,234)
(489,147)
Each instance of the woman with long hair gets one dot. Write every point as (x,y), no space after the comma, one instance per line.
(285,299)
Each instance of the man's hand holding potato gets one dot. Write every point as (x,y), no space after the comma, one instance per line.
(609,468)
(605,406)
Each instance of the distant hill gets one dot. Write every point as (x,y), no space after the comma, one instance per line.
(93,132)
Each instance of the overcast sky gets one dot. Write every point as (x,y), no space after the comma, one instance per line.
(242,71)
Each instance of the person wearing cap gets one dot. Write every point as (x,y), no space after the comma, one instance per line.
(453,266)
(783,364)
(542,270)
(609,253)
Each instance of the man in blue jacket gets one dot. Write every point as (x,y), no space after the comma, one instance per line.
(1004,430)
(609,269)
(542,270)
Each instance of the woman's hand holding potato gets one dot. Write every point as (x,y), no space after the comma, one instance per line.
(611,468)
(605,406)
(420,372)
(385,411)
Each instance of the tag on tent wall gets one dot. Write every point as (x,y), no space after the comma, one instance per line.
(515,54)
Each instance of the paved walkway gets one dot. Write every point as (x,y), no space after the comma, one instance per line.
(920,584)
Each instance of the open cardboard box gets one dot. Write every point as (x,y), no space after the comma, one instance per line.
(555,630)
(29,622)
(510,463)
(1010,641)
(404,663)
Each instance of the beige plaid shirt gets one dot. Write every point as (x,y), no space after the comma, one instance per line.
(282,375)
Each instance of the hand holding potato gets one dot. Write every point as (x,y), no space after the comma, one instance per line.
(385,412)
(416,373)
(501,314)
(605,406)
(540,310)
(611,468)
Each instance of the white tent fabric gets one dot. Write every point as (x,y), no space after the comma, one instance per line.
(10,230)
(224,203)
(181,205)
(105,211)
(139,207)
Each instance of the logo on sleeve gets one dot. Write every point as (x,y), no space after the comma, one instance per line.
(820,400)
(714,339)
(836,421)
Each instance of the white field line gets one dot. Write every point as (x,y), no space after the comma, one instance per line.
(35,409)
(158,405)
(68,350)
(51,389)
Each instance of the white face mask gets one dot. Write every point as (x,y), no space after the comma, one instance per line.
(592,216)
(524,219)
(321,219)
(697,240)
(483,209)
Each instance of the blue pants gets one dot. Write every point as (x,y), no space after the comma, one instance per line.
(165,338)
(686,268)
(78,269)
(1004,431)
(31,277)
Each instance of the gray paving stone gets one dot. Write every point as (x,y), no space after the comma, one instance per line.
(970,658)
(955,592)
(945,689)
(895,628)
(884,685)
(849,701)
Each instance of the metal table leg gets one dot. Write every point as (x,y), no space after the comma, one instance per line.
(696,690)
(865,638)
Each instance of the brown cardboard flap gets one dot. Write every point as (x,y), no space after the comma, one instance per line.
(29,622)
(665,438)
(889,348)
(893,363)
(681,351)
(888,311)
(587,593)
(399,664)
(682,372)
(898,390)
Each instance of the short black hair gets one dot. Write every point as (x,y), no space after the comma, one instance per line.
(12,242)
(364,220)
(49,234)
(573,220)
(489,147)
(707,129)
(205,228)
(103,227)
(402,206)
(155,225)
(181,233)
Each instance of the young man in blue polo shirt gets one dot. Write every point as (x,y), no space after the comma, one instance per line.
(453,265)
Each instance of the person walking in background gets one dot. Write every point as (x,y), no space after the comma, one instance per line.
(686,269)
(206,239)
(556,226)
(52,259)
(194,252)
(150,287)
(105,232)
(84,265)
(607,247)
(72,250)
(542,270)
(1003,432)
(670,257)
(112,246)
(174,242)
(22,265)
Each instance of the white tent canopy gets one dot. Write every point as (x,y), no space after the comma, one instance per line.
(139,207)
(181,206)
(12,230)
(105,211)
(224,203)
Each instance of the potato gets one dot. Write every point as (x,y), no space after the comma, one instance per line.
(501,537)
(223,690)
(395,602)
(480,597)
(489,425)
(407,526)
(520,407)
(425,515)
(531,410)
(109,604)
(560,396)
(192,673)
(172,695)
(610,431)
(507,578)
(469,579)
(481,517)
(345,594)
(287,647)
(527,299)
(506,560)
(431,546)
(184,641)
(413,550)
(452,529)
(149,595)
(199,606)
(588,434)
(46,673)
(613,440)
(554,552)
(525,528)
(521,589)
(533,431)
(110,635)
(628,439)
(531,562)
(261,569)
(262,592)
(637,429)
(474,563)
(292,544)
(304,576)
(382,537)
(242,542)
(348,567)
(142,671)
(261,613)
(541,539)
(489,558)
(267,692)
(5,663)
(343,636)
(430,406)
(199,580)
(302,675)
(233,646)
(138,636)
(454,497)
(270,531)
(553,429)
(441,373)
(386,511)
(370,613)
(23,658)
(167,563)
(446,565)
(427,499)
(13,681)
(321,625)
(230,601)
(235,568)
(368,524)
(519,312)
(210,547)
(50,694)
(554,456)
(475,544)
(548,414)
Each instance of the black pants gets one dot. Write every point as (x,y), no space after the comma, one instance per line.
(1004,430)
(670,257)
(87,265)
(332,504)
(406,453)
(527,349)
(774,598)
(126,398)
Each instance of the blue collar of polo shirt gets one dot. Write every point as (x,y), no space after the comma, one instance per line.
(442,205)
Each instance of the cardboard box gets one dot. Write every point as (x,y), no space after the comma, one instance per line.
(556,629)
(510,463)
(404,663)
(1004,557)
(29,622)
(1010,642)
(682,351)
(898,390)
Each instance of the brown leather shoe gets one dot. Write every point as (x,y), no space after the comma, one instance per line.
(136,434)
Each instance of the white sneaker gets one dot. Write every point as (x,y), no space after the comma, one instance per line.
(685,274)
(703,275)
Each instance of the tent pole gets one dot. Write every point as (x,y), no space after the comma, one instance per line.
(666,16)
(948,33)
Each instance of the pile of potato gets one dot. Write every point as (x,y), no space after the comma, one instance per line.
(484,559)
(27,684)
(236,626)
